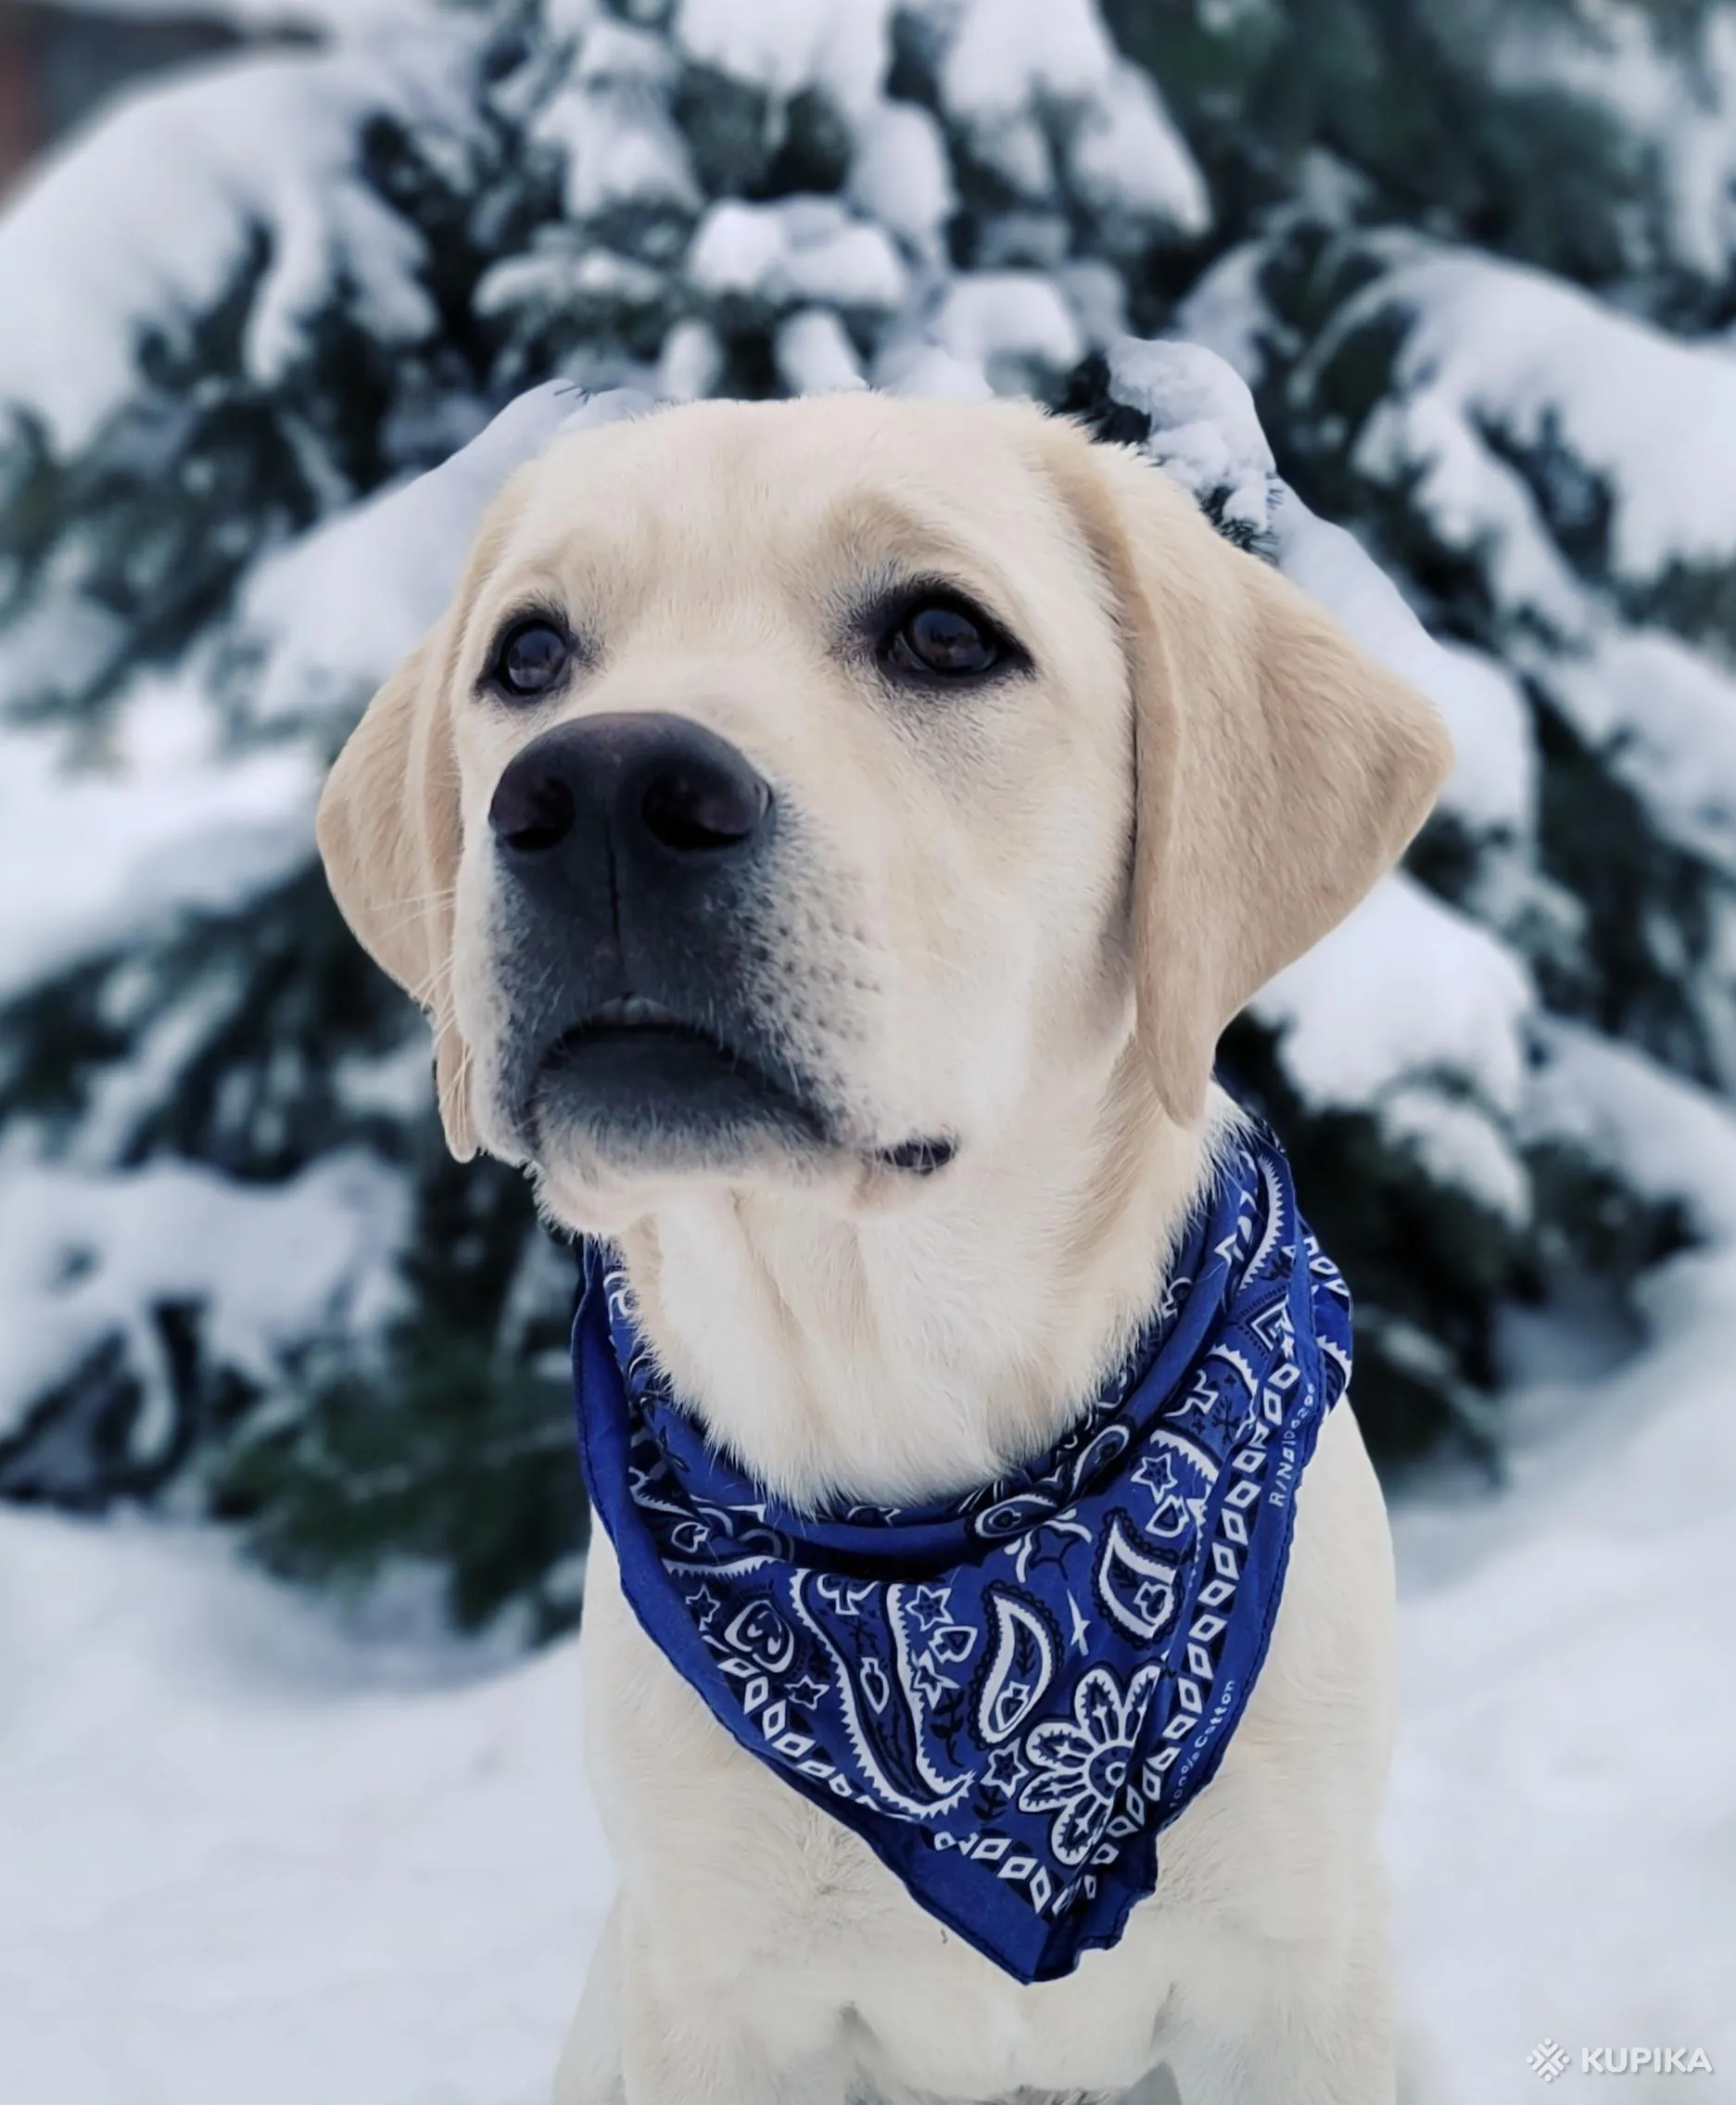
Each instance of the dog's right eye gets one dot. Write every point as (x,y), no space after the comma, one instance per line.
(531,657)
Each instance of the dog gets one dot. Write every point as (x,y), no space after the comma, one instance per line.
(828,839)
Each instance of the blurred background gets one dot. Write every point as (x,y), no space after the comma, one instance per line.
(291,1533)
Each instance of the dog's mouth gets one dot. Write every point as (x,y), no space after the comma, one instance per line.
(625,1012)
(636,1074)
(644,1075)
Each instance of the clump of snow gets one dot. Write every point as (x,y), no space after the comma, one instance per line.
(785,46)
(166,822)
(1665,717)
(1013,324)
(85,1258)
(689,363)
(1127,159)
(815,354)
(621,147)
(909,366)
(1494,348)
(1405,987)
(260,144)
(1670,1140)
(333,16)
(900,174)
(1007,54)
(803,248)
(1205,430)
(992,332)
(1226,311)
(555,276)
(1011,62)
(1676,91)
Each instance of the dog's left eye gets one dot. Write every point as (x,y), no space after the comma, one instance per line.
(941,640)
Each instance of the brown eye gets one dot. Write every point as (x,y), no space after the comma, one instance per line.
(943,642)
(531,658)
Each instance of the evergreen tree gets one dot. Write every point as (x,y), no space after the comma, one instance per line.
(1464,264)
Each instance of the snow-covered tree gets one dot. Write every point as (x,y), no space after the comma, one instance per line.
(259,323)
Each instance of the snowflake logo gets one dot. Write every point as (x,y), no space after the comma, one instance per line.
(1084,1763)
(1548,2060)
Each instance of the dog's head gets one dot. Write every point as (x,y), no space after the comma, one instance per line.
(792,789)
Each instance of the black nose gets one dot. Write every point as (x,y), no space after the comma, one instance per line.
(661,787)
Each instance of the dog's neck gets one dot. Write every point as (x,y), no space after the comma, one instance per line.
(903,1355)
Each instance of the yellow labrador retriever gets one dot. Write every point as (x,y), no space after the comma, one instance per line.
(828,839)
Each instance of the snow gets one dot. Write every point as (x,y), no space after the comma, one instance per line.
(1206,433)
(1671,1140)
(335,18)
(804,248)
(1667,717)
(908,366)
(1006,322)
(1404,986)
(1127,157)
(246,1858)
(786,45)
(814,355)
(1010,64)
(620,145)
(1226,311)
(1205,430)
(250,1855)
(1497,348)
(900,174)
(164,822)
(689,363)
(145,218)
(991,332)
(85,1258)
(1409,1010)
(1008,54)
(1682,103)
(1562,1821)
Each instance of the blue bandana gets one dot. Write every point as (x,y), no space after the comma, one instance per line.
(1008,1694)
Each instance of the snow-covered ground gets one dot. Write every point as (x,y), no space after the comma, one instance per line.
(245,1856)
(1562,1826)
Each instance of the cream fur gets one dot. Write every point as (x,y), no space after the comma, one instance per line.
(1024,924)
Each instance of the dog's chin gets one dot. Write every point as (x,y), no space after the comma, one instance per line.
(616,1120)
(633,1104)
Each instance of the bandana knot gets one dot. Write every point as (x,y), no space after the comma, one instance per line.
(1006,1696)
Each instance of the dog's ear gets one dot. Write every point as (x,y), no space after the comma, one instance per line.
(1280,770)
(389,835)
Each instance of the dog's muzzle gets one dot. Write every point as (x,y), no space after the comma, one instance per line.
(637,861)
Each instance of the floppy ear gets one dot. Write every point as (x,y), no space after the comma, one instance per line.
(389,835)
(1280,769)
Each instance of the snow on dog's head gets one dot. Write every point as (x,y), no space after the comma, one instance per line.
(811,791)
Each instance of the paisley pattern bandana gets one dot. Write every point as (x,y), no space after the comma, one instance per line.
(1008,1694)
